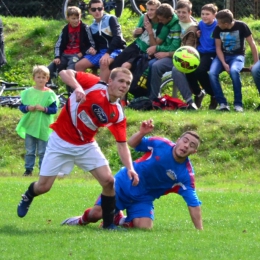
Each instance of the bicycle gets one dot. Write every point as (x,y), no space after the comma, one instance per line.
(15,101)
(138,6)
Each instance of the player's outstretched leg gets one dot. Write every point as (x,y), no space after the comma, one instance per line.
(26,201)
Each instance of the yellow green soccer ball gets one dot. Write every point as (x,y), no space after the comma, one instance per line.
(186,59)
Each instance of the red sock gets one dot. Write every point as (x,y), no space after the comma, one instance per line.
(84,218)
(128,224)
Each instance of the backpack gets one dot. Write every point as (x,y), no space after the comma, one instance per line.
(141,103)
(168,103)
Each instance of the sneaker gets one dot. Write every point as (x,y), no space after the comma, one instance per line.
(113,227)
(213,103)
(223,107)
(24,205)
(238,109)
(192,106)
(73,221)
(198,99)
(118,217)
(27,173)
(257,108)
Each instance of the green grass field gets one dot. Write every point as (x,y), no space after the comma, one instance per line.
(230,215)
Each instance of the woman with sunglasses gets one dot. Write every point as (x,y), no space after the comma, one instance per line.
(108,39)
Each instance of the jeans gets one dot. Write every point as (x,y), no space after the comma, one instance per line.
(31,144)
(256,75)
(180,81)
(236,64)
(156,70)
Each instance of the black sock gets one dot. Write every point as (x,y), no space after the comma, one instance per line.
(30,192)
(108,209)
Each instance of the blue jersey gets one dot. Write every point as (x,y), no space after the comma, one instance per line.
(159,174)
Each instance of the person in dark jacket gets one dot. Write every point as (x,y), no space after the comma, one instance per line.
(2,49)
(108,39)
(73,43)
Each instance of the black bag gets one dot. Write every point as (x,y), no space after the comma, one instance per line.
(141,103)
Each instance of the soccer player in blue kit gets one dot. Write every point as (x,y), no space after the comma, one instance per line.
(164,168)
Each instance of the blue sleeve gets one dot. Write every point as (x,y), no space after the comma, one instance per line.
(190,196)
(143,146)
(52,109)
(23,108)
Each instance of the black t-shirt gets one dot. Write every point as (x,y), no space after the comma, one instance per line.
(233,40)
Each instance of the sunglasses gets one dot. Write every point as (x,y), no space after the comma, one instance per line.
(94,9)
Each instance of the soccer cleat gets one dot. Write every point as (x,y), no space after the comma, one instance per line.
(213,103)
(27,173)
(113,227)
(118,217)
(238,109)
(257,108)
(24,205)
(73,221)
(223,107)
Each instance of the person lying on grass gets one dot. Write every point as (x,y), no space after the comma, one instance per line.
(164,168)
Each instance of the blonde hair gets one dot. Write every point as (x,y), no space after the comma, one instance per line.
(41,69)
(115,71)
(73,10)
(157,3)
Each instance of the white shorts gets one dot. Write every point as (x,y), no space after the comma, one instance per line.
(61,156)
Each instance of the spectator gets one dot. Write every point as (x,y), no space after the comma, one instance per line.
(189,37)
(108,39)
(163,53)
(2,45)
(230,36)
(147,33)
(256,77)
(39,104)
(207,51)
(164,168)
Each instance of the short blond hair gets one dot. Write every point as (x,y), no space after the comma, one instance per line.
(41,69)
(73,10)
(115,71)
(157,3)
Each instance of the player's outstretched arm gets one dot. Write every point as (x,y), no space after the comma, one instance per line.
(126,159)
(195,213)
(145,128)
(68,77)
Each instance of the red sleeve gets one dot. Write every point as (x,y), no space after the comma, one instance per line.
(119,131)
(86,80)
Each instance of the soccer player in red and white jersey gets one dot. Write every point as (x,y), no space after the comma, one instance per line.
(93,104)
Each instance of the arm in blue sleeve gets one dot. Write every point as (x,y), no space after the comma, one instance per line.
(23,108)
(52,109)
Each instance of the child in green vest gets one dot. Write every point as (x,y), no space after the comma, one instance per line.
(39,104)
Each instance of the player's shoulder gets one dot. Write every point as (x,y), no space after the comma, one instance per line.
(161,140)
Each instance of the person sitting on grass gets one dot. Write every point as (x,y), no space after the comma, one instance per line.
(75,41)
(164,168)
(108,39)
(230,36)
(93,104)
(39,104)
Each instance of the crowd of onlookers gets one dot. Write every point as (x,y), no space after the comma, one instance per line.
(219,38)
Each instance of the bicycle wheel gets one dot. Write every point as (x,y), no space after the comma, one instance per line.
(82,4)
(167,86)
(119,7)
(139,7)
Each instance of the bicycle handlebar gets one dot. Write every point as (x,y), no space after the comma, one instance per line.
(8,84)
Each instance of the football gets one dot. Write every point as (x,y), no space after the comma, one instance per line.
(186,59)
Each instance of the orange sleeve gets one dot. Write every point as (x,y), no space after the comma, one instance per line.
(119,131)
(86,80)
